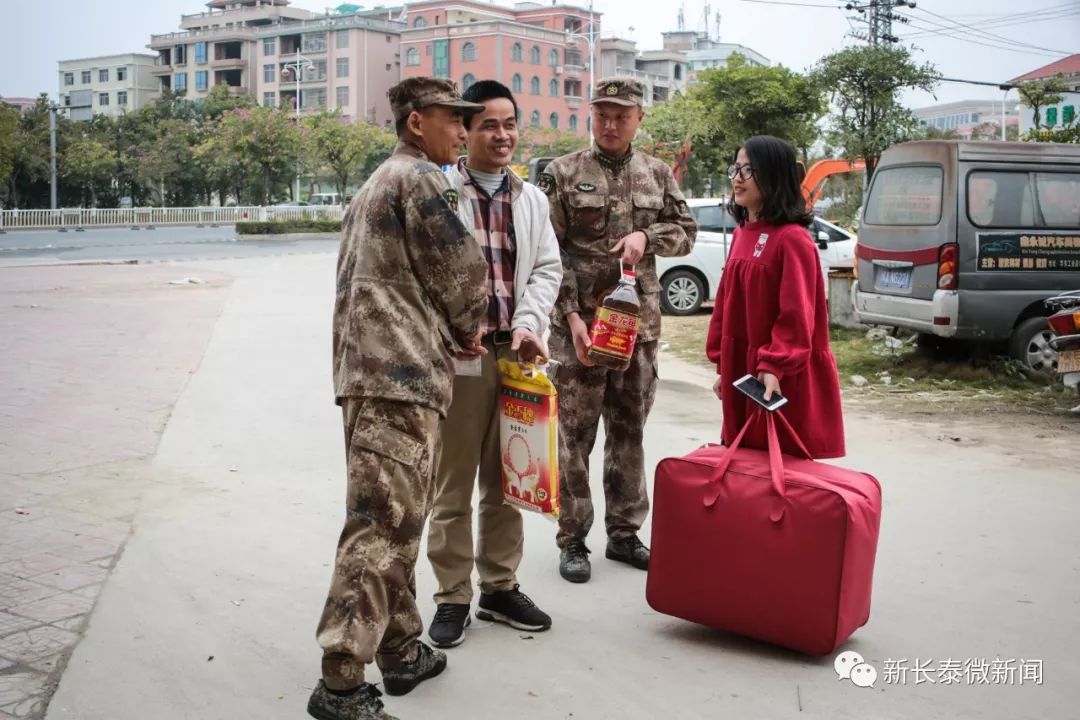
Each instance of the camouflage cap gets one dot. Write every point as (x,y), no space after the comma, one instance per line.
(421,92)
(619,90)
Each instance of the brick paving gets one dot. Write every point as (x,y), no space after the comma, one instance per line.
(92,361)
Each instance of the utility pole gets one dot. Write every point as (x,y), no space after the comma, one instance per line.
(52,155)
(879,17)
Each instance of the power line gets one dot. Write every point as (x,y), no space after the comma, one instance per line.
(793,4)
(1015,23)
(943,33)
(956,25)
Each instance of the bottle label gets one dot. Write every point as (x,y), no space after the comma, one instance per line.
(614,332)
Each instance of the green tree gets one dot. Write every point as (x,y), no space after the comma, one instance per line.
(683,133)
(167,164)
(256,150)
(930,132)
(9,125)
(865,83)
(28,182)
(344,149)
(87,164)
(752,101)
(1037,94)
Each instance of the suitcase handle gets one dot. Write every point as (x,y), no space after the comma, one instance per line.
(776,461)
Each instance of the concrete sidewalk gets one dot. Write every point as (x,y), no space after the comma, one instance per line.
(211,611)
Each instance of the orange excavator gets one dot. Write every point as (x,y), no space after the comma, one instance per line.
(822,169)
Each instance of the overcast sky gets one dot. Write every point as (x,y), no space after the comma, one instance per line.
(35,34)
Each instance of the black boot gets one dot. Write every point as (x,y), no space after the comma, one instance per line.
(628,550)
(406,676)
(574,562)
(363,703)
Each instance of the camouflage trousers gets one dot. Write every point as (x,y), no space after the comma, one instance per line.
(370,613)
(624,400)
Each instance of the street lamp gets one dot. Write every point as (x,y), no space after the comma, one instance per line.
(1006,88)
(590,40)
(298,67)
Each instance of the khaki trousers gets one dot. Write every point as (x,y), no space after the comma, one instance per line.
(470,443)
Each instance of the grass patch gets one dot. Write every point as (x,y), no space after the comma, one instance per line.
(876,364)
(286,227)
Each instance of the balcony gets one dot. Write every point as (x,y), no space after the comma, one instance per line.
(163,42)
(484,28)
(159,70)
(573,101)
(265,15)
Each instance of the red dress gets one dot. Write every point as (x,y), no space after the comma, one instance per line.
(771,316)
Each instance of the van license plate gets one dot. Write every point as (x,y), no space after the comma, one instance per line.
(1069,361)
(894,278)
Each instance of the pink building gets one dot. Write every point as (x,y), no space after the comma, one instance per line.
(539,51)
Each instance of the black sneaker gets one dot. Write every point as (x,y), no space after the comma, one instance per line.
(513,608)
(574,562)
(363,703)
(448,627)
(628,550)
(405,677)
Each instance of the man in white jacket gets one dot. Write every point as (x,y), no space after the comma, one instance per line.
(509,219)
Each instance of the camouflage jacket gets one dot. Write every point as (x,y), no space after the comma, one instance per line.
(595,202)
(410,285)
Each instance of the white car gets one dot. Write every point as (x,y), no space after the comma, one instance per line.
(691,280)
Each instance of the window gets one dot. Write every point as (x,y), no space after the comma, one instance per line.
(269,73)
(1000,199)
(316,73)
(713,218)
(180,82)
(441,61)
(85,77)
(419,22)
(573,123)
(905,196)
(313,42)
(341,39)
(553,120)
(515,84)
(534,55)
(515,52)
(1059,199)
(67,100)
(678,71)
(468,52)
(1051,116)
(103,75)
(343,67)
(534,119)
(269,46)
(553,88)
(534,85)
(121,97)
(342,96)
(553,58)
(69,78)
(121,74)
(467,82)
(269,99)
(588,124)
(180,55)
(103,99)
(201,80)
(427,49)
(200,52)
(313,99)
(412,56)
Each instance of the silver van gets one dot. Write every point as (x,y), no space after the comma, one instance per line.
(967,239)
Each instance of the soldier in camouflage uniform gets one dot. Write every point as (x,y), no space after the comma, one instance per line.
(608,203)
(410,297)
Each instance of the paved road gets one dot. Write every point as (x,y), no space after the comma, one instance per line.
(210,612)
(164,243)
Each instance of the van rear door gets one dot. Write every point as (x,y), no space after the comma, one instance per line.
(906,220)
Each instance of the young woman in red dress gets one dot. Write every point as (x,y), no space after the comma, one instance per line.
(771,319)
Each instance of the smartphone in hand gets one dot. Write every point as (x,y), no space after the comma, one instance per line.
(752,388)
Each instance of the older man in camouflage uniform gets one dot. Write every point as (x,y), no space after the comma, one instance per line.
(410,296)
(609,203)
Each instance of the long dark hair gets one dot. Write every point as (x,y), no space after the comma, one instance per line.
(779,177)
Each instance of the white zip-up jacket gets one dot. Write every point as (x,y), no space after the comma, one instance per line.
(538,269)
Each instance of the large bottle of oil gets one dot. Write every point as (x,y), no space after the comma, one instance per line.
(615,327)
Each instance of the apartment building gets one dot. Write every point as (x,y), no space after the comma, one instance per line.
(285,57)
(703,53)
(108,85)
(541,52)
(663,73)
(965,116)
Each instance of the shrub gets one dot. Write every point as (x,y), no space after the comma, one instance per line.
(285,227)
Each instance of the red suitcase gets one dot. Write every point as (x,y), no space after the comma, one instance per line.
(772,547)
